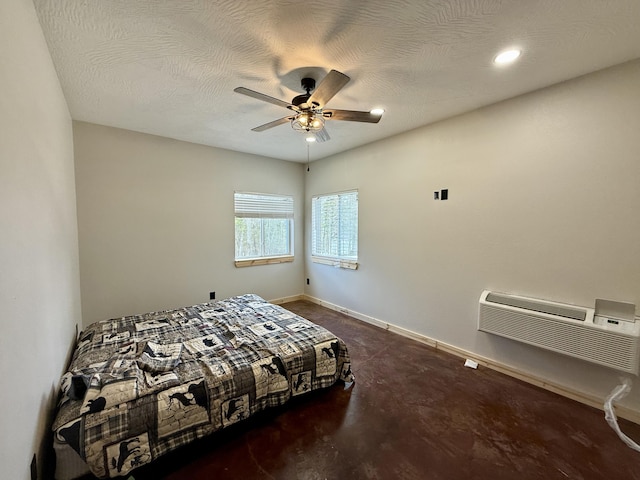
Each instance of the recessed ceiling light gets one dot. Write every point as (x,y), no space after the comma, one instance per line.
(311,139)
(507,56)
(377,111)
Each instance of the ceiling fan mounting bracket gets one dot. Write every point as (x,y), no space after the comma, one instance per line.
(308,84)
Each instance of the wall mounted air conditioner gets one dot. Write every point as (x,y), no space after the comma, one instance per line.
(608,335)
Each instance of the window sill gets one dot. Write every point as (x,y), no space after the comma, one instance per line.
(336,262)
(263,261)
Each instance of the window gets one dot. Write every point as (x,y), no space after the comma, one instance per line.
(334,229)
(264,228)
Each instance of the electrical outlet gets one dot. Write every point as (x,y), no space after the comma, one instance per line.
(444,194)
(212,295)
(307,281)
(34,468)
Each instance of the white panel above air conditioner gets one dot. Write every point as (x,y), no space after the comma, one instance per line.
(567,329)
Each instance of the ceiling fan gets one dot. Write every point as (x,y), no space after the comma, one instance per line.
(308,110)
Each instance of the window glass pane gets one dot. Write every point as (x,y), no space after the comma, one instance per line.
(348,226)
(334,228)
(263,225)
(276,236)
(248,237)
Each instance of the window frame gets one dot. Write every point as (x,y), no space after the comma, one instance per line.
(263,212)
(339,260)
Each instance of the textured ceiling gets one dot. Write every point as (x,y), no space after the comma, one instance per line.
(169,67)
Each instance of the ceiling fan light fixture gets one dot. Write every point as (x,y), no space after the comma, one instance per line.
(307,122)
(310,139)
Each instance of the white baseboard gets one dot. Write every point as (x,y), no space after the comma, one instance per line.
(292,298)
(351,313)
(582,397)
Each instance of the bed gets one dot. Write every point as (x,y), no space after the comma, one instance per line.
(140,386)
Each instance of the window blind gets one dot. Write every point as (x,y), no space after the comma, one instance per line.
(259,205)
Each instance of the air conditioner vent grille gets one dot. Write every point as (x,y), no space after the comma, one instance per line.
(555,327)
(534,305)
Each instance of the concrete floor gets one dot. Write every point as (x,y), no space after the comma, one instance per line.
(412,414)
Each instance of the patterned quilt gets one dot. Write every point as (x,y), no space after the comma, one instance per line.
(141,386)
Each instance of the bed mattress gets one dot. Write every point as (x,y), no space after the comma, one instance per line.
(141,386)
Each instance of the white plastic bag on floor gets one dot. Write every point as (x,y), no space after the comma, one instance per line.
(618,393)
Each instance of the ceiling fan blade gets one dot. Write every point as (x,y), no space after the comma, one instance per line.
(328,87)
(322,135)
(269,125)
(262,96)
(352,116)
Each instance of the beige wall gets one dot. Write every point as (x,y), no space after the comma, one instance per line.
(544,201)
(39,278)
(156,223)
